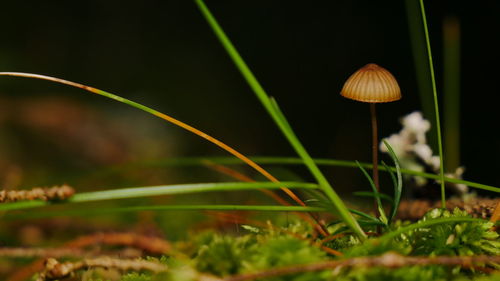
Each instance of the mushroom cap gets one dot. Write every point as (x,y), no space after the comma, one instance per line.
(373,84)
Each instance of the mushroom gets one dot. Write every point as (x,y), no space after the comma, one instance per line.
(372,84)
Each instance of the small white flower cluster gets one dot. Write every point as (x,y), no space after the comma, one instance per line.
(413,152)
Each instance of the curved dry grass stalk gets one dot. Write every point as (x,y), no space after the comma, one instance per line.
(311,219)
(165,117)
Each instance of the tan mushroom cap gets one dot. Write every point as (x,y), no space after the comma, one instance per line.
(373,84)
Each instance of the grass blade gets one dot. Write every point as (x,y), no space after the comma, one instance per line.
(165,117)
(268,160)
(391,174)
(391,235)
(398,185)
(436,105)
(100,211)
(366,216)
(136,192)
(372,195)
(395,186)
(280,120)
(381,211)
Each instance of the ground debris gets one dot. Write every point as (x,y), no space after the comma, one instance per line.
(37,193)
(477,207)
(148,244)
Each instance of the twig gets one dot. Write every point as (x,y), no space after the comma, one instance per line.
(38,193)
(389,260)
(152,245)
(41,252)
(64,252)
(55,270)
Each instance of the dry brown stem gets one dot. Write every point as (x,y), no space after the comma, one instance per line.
(40,252)
(64,252)
(38,193)
(152,245)
(389,260)
(55,270)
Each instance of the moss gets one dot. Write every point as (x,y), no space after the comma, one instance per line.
(260,249)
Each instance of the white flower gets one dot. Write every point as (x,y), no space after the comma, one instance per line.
(398,144)
(458,187)
(416,124)
(435,163)
(423,151)
(411,148)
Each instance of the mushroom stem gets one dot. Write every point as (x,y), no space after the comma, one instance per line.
(374,145)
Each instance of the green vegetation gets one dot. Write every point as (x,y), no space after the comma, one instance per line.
(263,249)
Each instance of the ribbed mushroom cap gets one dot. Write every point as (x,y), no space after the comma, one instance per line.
(373,84)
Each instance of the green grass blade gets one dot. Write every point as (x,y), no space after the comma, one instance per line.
(197,161)
(366,216)
(372,195)
(391,174)
(383,218)
(165,117)
(394,184)
(436,105)
(280,120)
(398,185)
(149,191)
(371,223)
(158,208)
(391,235)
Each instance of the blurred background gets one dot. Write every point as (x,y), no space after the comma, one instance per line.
(163,54)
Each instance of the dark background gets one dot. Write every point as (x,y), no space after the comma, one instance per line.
(163,54)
